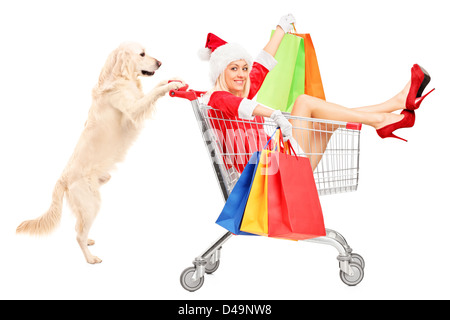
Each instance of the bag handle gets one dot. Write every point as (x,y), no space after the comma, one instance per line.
(295,30)
(290,149)
(295,33)
(278,141)
(271,137)
(277,144)
(284,147)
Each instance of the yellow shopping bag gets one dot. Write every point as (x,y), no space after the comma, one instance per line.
(255,218)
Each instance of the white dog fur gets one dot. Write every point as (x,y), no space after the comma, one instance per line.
(119,109)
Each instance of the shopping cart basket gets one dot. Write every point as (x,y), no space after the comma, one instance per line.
(335,170)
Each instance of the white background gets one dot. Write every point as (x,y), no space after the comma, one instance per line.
(159,208)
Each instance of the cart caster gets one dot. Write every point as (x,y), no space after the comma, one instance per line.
(356,258)
(211,267)
(187,281)
(358,275)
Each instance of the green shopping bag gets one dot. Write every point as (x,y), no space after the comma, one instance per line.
(286,81)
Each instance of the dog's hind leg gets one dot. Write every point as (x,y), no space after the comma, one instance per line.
(82,228)
(84,199)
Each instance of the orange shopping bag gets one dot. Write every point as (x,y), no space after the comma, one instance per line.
(313,80)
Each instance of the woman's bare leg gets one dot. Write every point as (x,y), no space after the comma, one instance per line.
(311,107)
(312,137)
(397,102)
(314,142)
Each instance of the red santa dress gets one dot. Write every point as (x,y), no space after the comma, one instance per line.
(244,134)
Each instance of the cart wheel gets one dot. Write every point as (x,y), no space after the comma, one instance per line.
(210,268)
(358,275)
(187,282)
(356,258)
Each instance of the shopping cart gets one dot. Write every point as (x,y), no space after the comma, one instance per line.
(336,170)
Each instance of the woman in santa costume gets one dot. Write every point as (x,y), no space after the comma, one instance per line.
(237,79)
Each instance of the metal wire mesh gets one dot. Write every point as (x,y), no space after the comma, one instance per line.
(332,147)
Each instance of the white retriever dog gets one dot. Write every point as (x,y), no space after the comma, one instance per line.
(119,109)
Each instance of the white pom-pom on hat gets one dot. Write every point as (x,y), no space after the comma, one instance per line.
(204,54)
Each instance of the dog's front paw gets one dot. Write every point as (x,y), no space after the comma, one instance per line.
(177,84)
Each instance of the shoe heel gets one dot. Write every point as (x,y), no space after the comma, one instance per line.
(420,99)
(383,134)
(394,136)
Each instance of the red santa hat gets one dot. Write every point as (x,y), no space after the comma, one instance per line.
(220,54)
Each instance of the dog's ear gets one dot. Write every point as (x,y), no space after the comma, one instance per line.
(120,64)
(107,71)
(125,66)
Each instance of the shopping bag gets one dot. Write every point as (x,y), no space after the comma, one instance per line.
(294,210)
(255,215)
(231,216)
(286,81)
(255,218)
(313,80)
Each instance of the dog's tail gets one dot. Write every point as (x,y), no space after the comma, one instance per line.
(49,220)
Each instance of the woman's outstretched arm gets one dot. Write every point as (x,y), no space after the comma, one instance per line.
(274,42)
(283,27)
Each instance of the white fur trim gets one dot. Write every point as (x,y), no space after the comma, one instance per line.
(225,54)
(266,59)
(246,108)
(204,54)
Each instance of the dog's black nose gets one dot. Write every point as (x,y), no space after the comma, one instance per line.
(158,63)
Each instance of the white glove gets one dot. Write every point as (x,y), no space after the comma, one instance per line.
(286,22)
(283,123)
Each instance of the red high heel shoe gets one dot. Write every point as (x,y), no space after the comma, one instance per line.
(419,80)
(407,122)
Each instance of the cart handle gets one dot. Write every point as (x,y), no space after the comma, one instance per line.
(184,93)
(353,126)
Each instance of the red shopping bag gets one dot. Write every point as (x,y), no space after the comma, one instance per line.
(294,210)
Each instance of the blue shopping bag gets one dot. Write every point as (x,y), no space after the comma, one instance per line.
(231,216)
